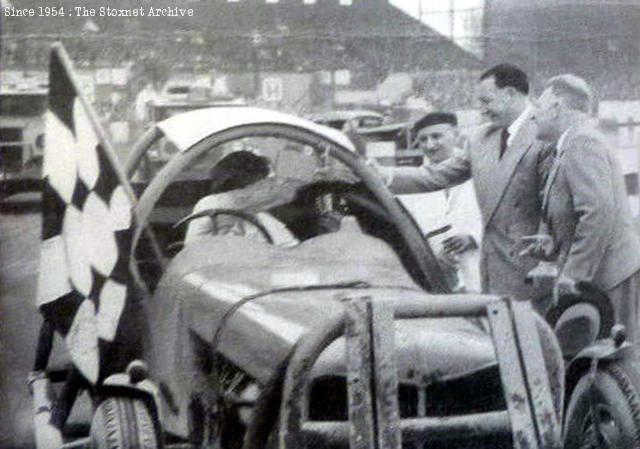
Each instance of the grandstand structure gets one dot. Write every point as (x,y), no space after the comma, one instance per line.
(368,38)
(596,39)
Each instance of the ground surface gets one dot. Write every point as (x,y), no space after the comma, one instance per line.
(19,319)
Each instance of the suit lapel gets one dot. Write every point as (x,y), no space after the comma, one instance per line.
(550,179)
(485,160)
(504,169)
(553,173)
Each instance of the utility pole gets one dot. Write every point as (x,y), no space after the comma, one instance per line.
(451,19)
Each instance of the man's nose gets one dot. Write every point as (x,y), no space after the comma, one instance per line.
(431,145)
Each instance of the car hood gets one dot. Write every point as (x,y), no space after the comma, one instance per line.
(255,301)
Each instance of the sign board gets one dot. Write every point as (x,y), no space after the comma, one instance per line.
(342,77)
(87,85)
(380,149)
(103,76)
(119,77)
(272,89)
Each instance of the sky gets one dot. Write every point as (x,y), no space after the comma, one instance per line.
(436,14)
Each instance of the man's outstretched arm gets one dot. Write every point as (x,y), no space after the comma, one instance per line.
(428,178)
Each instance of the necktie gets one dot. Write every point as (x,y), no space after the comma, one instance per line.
(504,136)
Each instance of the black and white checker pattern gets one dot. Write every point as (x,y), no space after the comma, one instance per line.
(87,227)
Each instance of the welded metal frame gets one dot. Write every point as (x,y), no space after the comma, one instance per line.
(530,417)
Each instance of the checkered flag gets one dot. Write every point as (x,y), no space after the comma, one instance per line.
(84,279)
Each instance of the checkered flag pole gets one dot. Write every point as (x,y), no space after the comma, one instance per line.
(84,283)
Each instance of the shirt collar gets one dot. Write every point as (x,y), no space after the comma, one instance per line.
(518,123)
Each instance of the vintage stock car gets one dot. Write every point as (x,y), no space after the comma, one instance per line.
(346,336)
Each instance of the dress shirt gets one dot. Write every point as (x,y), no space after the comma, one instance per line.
(519,123)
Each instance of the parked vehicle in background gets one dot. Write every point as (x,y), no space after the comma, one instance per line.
(21,138)
(167,106)
(390,145)
(338,119)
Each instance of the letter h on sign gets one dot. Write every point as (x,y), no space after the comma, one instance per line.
(272,89)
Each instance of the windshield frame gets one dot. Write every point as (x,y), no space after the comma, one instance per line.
(431,273)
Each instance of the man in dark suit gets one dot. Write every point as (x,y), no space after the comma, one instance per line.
(585,206)
(508,167)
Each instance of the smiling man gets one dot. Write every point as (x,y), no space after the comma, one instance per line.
(508,167)
(436,134)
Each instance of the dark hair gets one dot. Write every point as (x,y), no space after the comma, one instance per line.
(237,170)
(430,119)
(507,75)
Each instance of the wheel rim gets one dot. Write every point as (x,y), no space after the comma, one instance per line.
(607,435)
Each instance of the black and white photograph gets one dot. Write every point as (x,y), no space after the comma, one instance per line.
(319,224)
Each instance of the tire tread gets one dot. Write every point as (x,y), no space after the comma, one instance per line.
(622,382)
(631,393)
(123,423)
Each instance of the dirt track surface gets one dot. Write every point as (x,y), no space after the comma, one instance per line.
(20,321)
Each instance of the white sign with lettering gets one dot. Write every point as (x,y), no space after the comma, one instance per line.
(272,89)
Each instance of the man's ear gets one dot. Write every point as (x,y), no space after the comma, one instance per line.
(510,91)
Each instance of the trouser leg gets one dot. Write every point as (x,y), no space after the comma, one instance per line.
(625,297)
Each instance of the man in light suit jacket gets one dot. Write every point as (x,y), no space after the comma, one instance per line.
(508,167)
(585,205)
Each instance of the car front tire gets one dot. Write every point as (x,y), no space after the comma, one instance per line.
(615,397)
(123,423)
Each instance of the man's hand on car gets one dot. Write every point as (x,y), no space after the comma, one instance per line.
(538,246)
(386,173)
(335,172)
(458,244)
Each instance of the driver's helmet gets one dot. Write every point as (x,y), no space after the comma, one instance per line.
(238,170)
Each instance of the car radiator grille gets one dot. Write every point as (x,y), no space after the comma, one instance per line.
(477,393)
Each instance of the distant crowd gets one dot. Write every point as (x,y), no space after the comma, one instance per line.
(448,89)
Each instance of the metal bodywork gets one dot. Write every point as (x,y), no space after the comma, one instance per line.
(347,338)
(196,301)
(245,304)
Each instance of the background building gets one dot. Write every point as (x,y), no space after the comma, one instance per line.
(596,39)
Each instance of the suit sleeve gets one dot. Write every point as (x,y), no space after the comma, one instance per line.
(589,174)
(451,172)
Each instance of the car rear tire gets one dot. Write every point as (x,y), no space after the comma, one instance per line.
(123,423)
(616,399)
